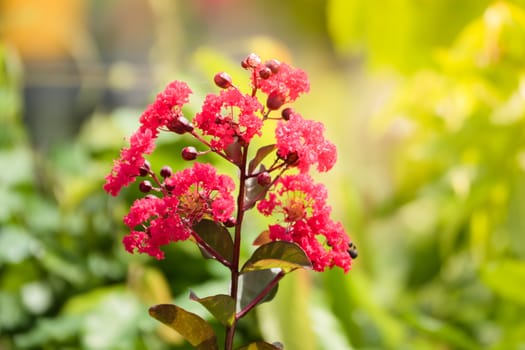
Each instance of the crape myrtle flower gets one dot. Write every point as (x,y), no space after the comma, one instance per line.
(198,192)
(228,115)
(305,138)
(301,204)
(202,193)
(285,80)
(161,113)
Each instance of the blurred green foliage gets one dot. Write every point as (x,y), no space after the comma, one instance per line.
(442,251)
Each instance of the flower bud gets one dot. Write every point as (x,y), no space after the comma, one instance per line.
(264,178)
(274,65)
(189,153)
(286,113)
(230,222)
(352,250)
(166,171)
(251,61)
(223,80)
(275,100)
(265,73)
(145,169)
(180,125)
(145,186)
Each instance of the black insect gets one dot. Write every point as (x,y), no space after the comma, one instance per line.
(352,250)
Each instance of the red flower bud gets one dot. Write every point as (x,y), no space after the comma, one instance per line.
(166,171)
(286,113)
(180,125)
(264,178)
(189,153)
(265,73)
(274,65)
(145,186)
(144,169)
(275,100)
(222,80)
(251,61)
(230,222)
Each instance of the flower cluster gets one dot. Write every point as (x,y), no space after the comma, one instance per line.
(175,202)
(306,221)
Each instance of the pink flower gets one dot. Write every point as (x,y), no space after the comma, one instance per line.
(306,221)
(161,113)
(131,159)
(288,81)
(159,222)
(228,115)
(305,138)
(202,193)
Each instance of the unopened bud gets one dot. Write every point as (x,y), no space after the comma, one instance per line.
(189,153)
(264,178)
(251,61)
(166,171)
(222,80)
(287,113)
(180,125)
(230,222)
(144,169)
(275,100)
(274,65)
(265,73)
(145,186)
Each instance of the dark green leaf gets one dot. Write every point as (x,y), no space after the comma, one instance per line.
(259,156)
(253,283)
(216,236)
(221,306)
(260,345)
(193,328)
(287,256)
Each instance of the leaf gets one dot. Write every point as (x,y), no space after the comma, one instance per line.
(216,236)
(506,278)
(260,155)
(221,306)
(254,191)
(287,256)
(262,238)
(192,327)
(252,283)
(234,152)
(261,345)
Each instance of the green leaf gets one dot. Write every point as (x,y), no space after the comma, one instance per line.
(252,283)
(287,256)
(261,345)
(216,236)
(192,327)
(506,278)
(221,306)
(260,155)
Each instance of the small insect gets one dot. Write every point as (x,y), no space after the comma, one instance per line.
(352,250)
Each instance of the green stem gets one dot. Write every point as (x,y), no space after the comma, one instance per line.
(234,288)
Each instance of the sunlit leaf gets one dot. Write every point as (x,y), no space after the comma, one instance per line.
(216,236)
(252,283)
(259,156)
(260,345)
(287,256)
(262,238)
(192,327)
(221,306)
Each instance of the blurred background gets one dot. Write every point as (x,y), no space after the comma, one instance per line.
(425,101)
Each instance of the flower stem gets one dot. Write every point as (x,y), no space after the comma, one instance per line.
(260,296)
(234,287)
